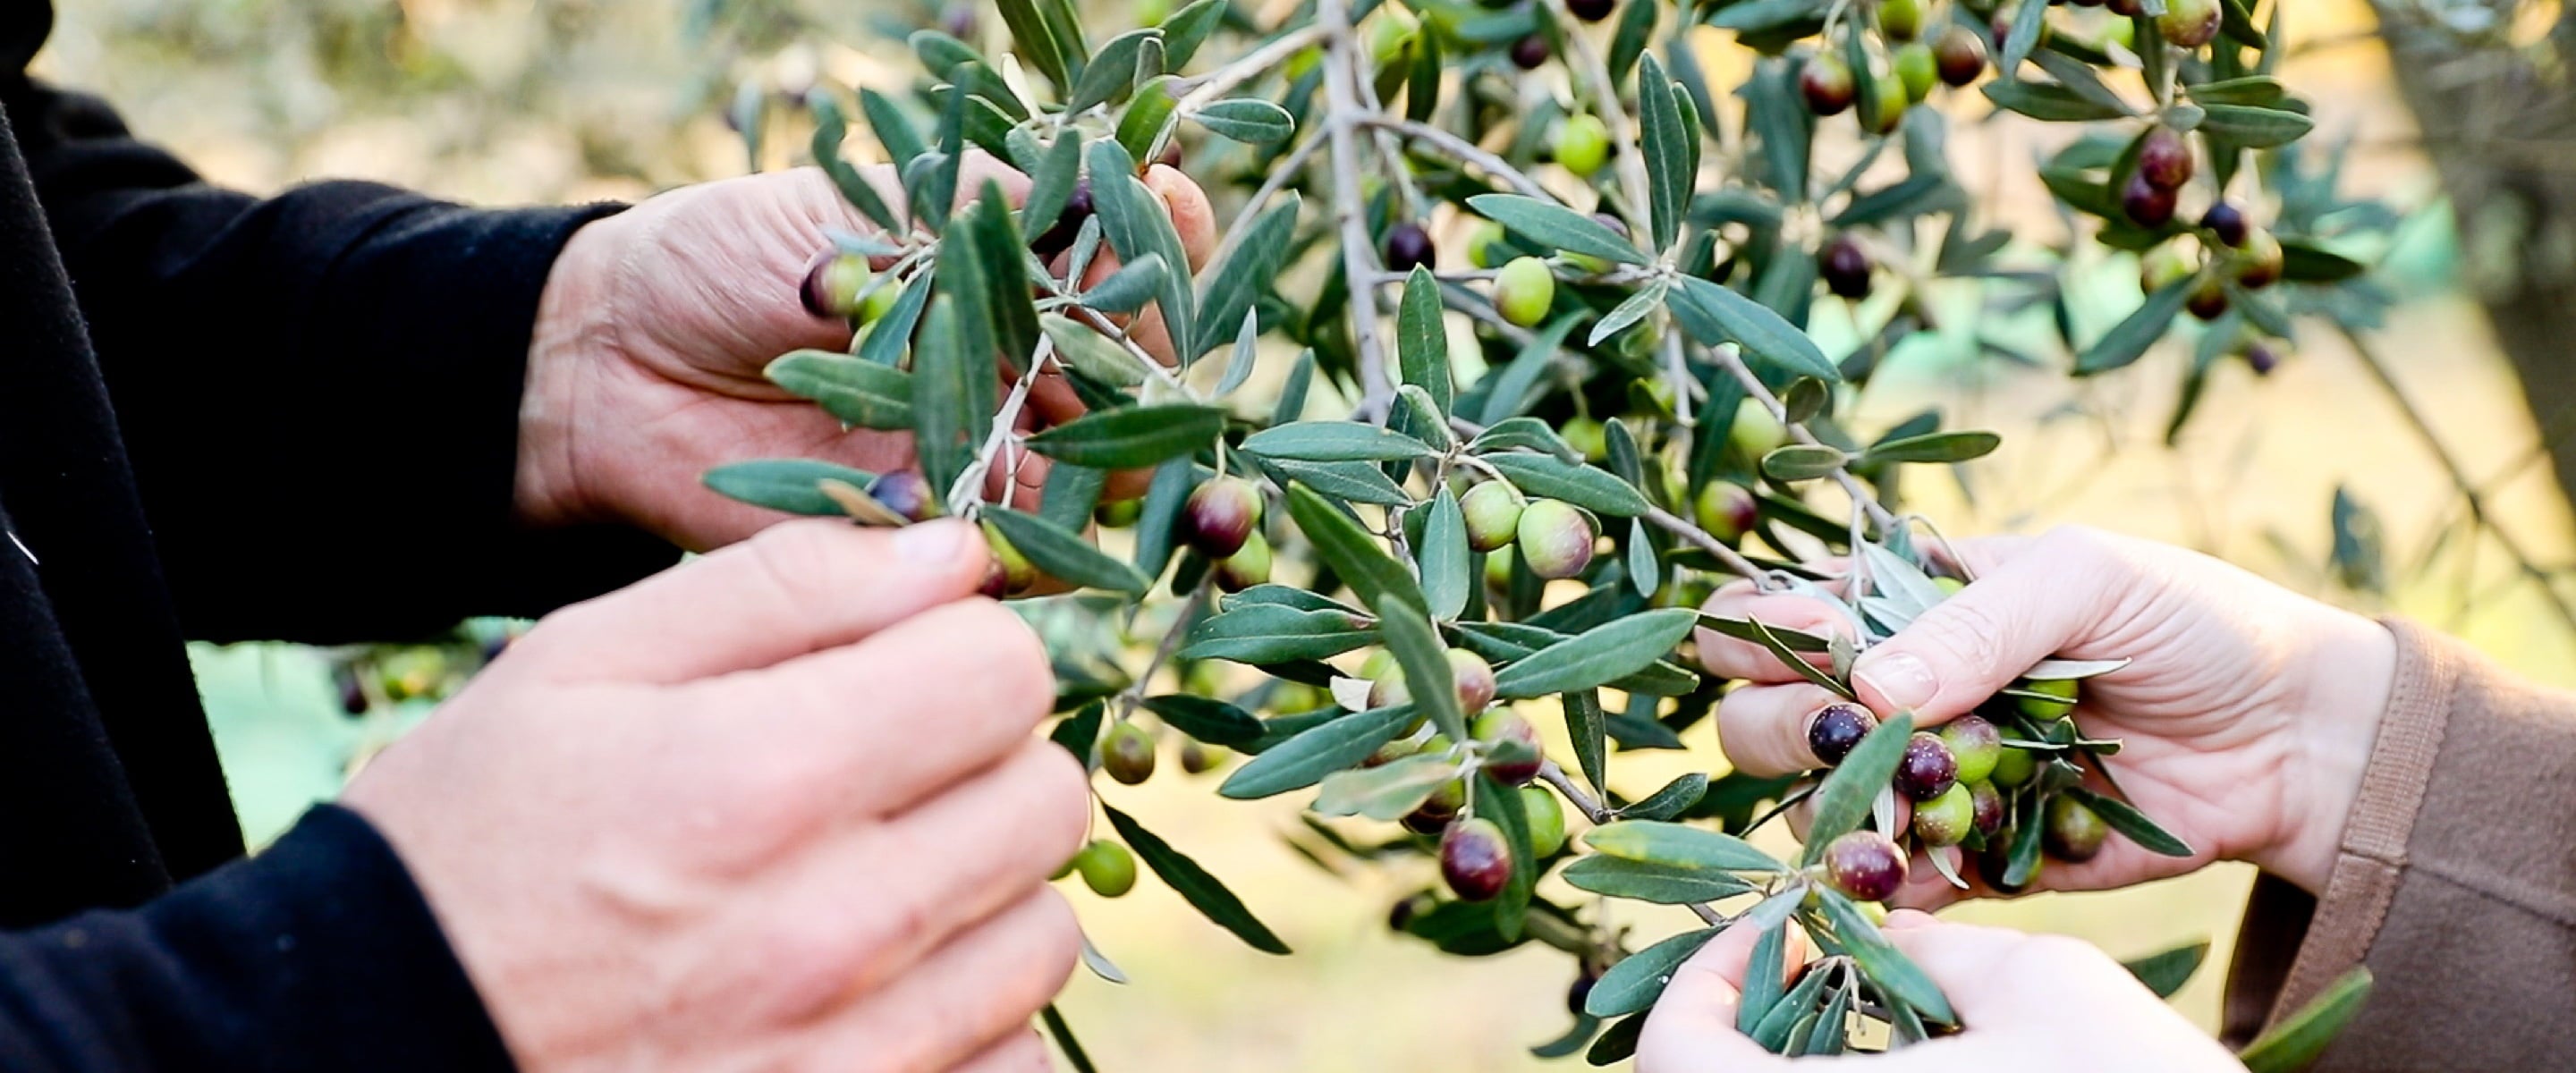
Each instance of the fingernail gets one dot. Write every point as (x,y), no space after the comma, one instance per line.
(1901,679)
(930,542)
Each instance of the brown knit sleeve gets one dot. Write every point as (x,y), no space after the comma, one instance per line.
(2456,882)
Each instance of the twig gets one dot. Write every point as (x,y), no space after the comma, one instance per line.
(1733,359)
(1593,810)
(1463,150)
(1244,68)
(1134,694)
(1280,174)
(2468,489)
(1583,60)
(1359,257)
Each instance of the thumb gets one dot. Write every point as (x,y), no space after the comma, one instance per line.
(1996,978)
(1693,1024)
(1954,656)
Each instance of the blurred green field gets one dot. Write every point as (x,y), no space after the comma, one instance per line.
(515,102)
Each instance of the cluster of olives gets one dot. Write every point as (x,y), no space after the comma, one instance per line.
(1475,857)
(1553,538)
(838,287)
(2226,248)
(1964,788)
(1955,58)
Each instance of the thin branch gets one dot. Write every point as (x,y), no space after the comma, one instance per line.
(1280,174)
(1464,151)
(1583,60)
(2468,489)
(1359,256)
(1134,694)
(1593,810)
(1247,67)
(1733,359)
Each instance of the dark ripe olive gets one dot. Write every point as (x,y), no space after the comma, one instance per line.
(2226,223)
(1059,236)
(1591,10)
(1475,859)
(2165,160)
(1220,515)
(1836,729)
(1529,52)
(1987,805)
(1959,56)
(2146,204)
(2208,301)
(1408,247)
(1826,82)
(907,494)
(1865,865)
(1927,768)
(1845,267)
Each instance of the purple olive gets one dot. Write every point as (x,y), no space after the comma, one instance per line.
(1865,865)
(1475,859)
(1927,769)
(1837,729)
(1220,515)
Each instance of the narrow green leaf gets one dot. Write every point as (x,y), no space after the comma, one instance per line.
(1335,441)
(1502,804)
(1427,673)
(1679,846)
(1064,1041)
(1357,482)
(793,485)
(1063,553)
(1802,462)
(2166,972)
(1386,792)
(1667,148)
(1036,41)
(1135,222)
(2299,1039)
(1232,288)
(1584,486)
(1071,493)
(950,380)
(1586,724)
(1763,982)
(1111,73)
(1882,963)
(1442,557)
(1843,800)
(1673,799)
(2126,819)
(1128,289)
(1264,634)
(1638,979)
(1189,28)
(2028,19)
(1202,890)
(1305,759)
(1715,315)
(1555,227)
(1598,656)
(1212,721)
(1933,447)
(1133,438)
(1051,185)
(1249,120)
(2259,91)
(856,391)
(2048,102)
(2304,261)
(2128,340)
(2255,128)
(1660,884)
(1164,498)
(1352,553)
(1422,342)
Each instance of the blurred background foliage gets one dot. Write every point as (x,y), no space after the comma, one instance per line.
(2423,476)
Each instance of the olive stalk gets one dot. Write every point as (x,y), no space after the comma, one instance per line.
(1359,257)
(1462,150)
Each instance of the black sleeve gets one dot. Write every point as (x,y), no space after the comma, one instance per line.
(319,391)
(253,966)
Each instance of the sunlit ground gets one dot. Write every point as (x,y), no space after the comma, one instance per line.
(2252,482)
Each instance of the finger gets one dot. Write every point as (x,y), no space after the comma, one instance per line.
(1995,978)
(982,987)
(1961,651)
(1763,729)
(845,920)
(1728,657)
(1023,1052)
(946,693)
(796,588)
(1145,326)
(1692,1027)
(1192,217)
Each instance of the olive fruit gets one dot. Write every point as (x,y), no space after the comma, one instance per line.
(1220,516)
(1441,807)
(2208,301)
(1726,510)
(1529,52)
(1555,539)
(1107,868)
(1524,290)
(1900,20)
(1128,755)
(1059,236)
(1845,267)
(1489,246)
(1826,82)
(1546,820)
(2074,832)
(1408,247)
(2261,359)
(1401,915)
(2015,767)
(1986,807)
(906,493)
(1198,759)
(1945,820)
(1917,70)
(1582,143)
(1587,437)
(1865,865)
(1493,511)
(1580,992)
(1505,726)
(1891,100)
(832,287)
(2258,264)
(2226,223)
(1975,744)
(1926,769)
(1498,568)
(1591,10)
(2164,160)
(1390,35)
(1756,431)
(1118,513)
(353,693)
(1247,567)
(1474,678)
(1959,55)
(1009,571)
(2189,23)
(1837,729)
(2162,267)
(2063,688)
(2146,204)
(1996,862)
(1475,859)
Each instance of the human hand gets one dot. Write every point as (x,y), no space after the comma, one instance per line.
(2248,711)
(645,368)
(778,807)
(2039,1002)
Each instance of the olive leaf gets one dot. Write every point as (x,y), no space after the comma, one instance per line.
(2165,972)
(1597,657)
(1680,846)
(1502,804)
(1335,441)
(1661,884)
(1667,148)
(1062,1033)
(1715,316)
(1555,227)
(2128,340)
(1063,553)
(1584,486)
(1673,799)
(1303,760)
(1933,447)
(2297,1041)
(1195,886)
(1128,289)
(1247,119)
(1441,556)
(1885,965)
(793,485)
(1270,633)
(1212,721)
(2126,819)
(1131,438)
(1385,792)
(1227,297)
(1422,342)
(1638,979)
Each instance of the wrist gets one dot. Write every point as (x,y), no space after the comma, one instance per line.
(2347,669)
(573,327)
